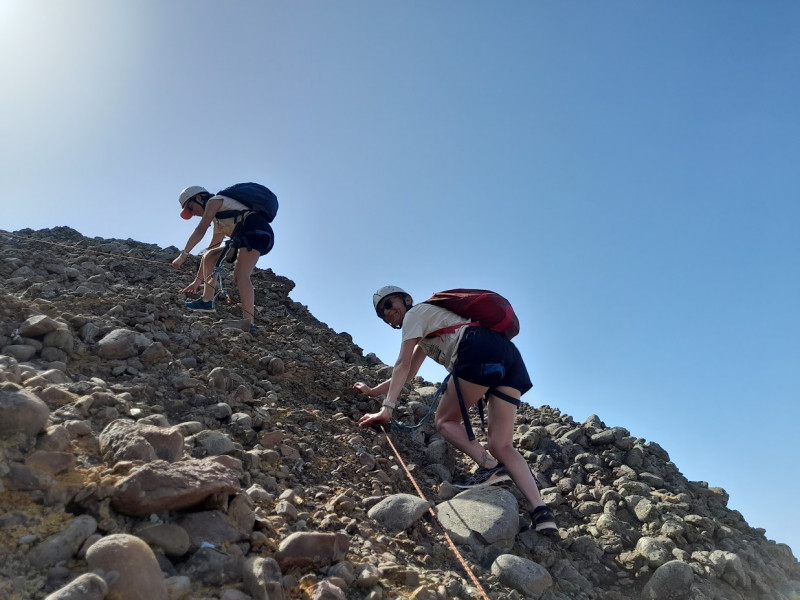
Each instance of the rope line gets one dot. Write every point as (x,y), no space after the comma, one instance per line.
(413,481)
(435,516)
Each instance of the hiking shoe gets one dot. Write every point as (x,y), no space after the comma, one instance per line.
(253,328)
(484,476)
(543,520)
(201,305)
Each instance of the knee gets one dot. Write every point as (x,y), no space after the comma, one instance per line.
(443,423)
(500,450)
(438,422)
(242,279)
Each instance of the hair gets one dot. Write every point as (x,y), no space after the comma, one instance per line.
(202,198)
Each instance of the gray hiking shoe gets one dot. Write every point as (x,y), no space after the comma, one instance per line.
(484,476)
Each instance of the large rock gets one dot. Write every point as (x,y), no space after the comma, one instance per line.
(161,486)
(122,439)
(38,325)
(89,586)
(22,412)
(169,537)
(210,527)
(483,515)
(140,576)
(312,549)
(399,511)
(127,440)
(262,578)
(121,343)
(524,575)
(63,545)
(671,581)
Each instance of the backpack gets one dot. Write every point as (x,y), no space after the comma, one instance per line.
(254,196)
(484,308)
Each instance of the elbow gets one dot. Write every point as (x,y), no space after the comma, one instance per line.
(402,368)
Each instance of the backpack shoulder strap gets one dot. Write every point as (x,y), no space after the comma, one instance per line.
(450,329)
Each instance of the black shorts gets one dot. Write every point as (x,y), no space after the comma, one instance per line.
(489,358)
(254,233)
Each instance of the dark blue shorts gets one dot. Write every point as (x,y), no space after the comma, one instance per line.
(489,358)
(254,233)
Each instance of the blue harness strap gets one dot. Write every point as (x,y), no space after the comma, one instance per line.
(464,413)
(503,396)
(461,405)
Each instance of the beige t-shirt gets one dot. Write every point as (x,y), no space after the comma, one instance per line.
(423,319)
(225,226)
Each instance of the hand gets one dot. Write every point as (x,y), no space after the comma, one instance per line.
(376,419)
(364,388)
(178,262)
(192,287)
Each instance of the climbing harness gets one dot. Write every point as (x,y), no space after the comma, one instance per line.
(434,404)
(221,271)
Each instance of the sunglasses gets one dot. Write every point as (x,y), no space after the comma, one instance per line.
(386,305)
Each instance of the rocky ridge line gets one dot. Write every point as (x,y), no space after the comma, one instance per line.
(150,453)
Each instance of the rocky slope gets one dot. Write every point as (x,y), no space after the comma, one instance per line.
(150,453)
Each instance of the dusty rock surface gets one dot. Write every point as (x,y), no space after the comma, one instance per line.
(231,465)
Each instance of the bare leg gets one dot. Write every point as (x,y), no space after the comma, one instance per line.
(207,269)
(449,424)
(501,436)
(245,262)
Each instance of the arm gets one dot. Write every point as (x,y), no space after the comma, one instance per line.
(212,206)
(400,374)
(417,359)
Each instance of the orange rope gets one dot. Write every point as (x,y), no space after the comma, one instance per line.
(435,516)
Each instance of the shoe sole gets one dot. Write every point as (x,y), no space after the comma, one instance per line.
(491,481)
(545,528)
(202,309)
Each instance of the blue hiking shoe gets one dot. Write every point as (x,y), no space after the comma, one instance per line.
(201,305)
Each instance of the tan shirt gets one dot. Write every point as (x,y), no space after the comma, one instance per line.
(225,226)
(423,319)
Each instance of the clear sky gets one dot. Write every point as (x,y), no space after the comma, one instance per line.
(626,173)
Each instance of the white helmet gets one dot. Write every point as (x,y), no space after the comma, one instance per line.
(189,193)
(386,290)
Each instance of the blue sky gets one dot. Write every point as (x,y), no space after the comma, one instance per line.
(625,173)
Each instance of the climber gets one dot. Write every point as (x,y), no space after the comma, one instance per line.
(481,362)
(251,237)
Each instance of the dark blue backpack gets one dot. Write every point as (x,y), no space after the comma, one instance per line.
(254,196)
